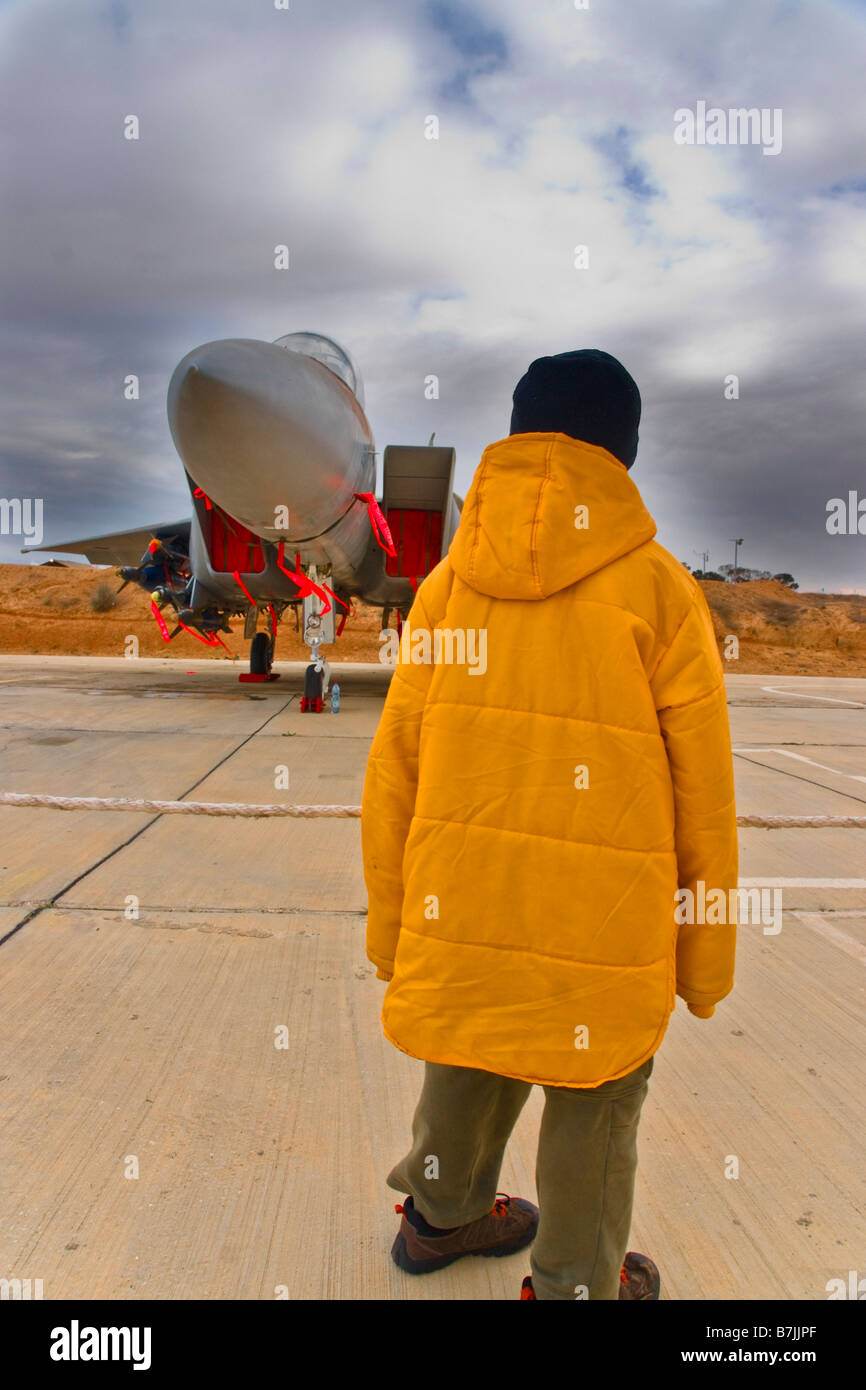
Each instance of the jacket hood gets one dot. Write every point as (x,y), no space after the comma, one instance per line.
(544,511)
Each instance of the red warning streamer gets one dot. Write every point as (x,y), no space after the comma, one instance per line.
(211,640)
(335,597)
(305,585)
(343,618)
(236,576)
(166,635)
(377,520)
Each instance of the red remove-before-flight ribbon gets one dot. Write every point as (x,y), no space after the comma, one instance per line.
(212,640)
(166,635)
(305,585)
(237,578)
(348,613)
(377,520)
(335,597)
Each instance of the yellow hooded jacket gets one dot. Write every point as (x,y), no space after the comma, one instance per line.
(530,810)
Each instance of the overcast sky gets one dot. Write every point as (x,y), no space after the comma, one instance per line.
(453,256)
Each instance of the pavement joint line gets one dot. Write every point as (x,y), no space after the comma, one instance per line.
(176,909)
(784,772)
(801,758)
(831,913)
(174,733)
(51,902)
(856,912)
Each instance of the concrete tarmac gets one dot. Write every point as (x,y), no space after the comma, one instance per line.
(156,1143)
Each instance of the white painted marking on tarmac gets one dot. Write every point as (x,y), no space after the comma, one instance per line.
(849,944)
(802,695)
(800,757)
(802,882)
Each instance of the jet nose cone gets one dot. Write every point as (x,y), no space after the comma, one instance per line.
(265,432)
(220,403)
(197,381)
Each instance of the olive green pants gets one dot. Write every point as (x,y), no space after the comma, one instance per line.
(585,1168)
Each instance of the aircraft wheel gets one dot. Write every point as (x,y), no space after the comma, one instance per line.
(261,654)
(311,700)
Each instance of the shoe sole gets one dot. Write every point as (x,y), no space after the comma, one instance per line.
(403,1260)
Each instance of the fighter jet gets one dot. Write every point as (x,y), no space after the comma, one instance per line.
(281,466)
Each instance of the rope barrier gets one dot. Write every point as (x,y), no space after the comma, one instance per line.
(801,822)
(174,808)
(239,808)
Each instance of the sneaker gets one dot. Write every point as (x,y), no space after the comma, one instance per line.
(419,1248)
(638,1279)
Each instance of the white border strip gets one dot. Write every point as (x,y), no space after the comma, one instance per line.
(802,882)
(847,943)
(801,695)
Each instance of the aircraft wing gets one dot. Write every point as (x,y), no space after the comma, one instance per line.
(121,547)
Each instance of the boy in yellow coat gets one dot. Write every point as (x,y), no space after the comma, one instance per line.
(552,770)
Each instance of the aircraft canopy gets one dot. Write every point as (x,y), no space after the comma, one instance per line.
(330,354)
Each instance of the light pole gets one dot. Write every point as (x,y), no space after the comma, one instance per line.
(736,544)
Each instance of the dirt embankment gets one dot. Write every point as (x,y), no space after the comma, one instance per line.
(780,632)
(48,610)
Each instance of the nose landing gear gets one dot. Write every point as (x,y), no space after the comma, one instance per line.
(318,674)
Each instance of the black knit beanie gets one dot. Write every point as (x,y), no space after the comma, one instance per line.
(588,395)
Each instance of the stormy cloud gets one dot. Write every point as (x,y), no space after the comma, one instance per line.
(452,257)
